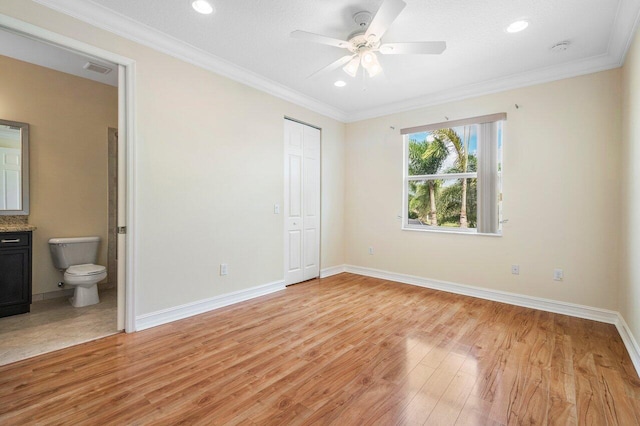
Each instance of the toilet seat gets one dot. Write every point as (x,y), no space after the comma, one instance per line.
(85,279)
(86,269)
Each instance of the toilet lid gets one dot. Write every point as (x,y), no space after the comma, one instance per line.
(88,269)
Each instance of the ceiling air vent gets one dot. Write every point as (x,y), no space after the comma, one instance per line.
(97,68)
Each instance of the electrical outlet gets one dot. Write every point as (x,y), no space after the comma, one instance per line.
(224,269)
(370,250)
(558,274)
(515,269)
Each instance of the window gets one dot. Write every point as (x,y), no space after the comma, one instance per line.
(453,176)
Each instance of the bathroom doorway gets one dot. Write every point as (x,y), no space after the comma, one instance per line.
(117,259)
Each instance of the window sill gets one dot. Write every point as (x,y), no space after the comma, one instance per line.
(446,231)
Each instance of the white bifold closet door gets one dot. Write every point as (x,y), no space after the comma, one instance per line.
(301,202)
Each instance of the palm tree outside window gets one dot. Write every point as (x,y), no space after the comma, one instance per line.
(453,176)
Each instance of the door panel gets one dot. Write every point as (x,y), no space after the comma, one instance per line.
(302,202)
(14,264)
(295,187)
(310,242)
(311,213)
(295,241)
(293,202)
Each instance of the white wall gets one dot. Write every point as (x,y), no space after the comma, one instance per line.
(561,195)
(630,283)
(209,168)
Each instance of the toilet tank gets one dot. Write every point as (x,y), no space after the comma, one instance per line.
(74,251)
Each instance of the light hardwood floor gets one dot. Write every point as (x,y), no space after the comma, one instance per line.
(343,350)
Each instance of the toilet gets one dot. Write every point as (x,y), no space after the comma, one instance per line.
(77,257)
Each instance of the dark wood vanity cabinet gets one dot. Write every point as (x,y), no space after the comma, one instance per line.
(15,273)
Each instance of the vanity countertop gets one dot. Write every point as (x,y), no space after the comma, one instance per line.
(18,227)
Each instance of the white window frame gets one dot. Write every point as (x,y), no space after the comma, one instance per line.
(489,178)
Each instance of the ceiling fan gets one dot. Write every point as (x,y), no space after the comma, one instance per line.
(364,43)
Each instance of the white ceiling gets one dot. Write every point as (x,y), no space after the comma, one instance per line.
(50,56)
(249,41)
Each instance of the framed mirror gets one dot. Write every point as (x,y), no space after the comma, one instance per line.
(14,168)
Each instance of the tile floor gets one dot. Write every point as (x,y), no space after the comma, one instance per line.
(55,324)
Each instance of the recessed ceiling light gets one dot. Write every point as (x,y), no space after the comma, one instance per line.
(517,26)
(339,83)
(203,6)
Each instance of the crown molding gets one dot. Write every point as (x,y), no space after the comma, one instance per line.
(515,81)
(624,28)
(116,23)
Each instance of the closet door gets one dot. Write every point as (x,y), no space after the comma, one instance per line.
(302,202)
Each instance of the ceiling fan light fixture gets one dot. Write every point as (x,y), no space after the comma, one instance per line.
(352,67)
(371,64)
(517,26)
(374,68)
(363,44)
(203,6)
(368,58)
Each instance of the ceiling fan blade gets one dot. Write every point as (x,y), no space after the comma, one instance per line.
(415,48)
(385,16)
(317,38)
(333,66)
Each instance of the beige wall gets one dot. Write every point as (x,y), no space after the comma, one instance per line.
(209,168)
(68,119)
(630,283)
(561,195)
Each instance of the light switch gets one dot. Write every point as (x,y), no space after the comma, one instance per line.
(276,209)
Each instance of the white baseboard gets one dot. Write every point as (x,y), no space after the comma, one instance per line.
(630,342)
(332,270)
(201,306)
(564,308)
(38,297)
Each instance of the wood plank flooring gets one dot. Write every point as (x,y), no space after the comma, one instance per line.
(344,350)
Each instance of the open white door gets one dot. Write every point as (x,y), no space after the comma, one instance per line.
(122,201)
(301,202)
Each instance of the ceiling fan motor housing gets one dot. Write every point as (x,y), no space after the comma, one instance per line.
(363,19)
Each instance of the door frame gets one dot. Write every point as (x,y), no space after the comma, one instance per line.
(126,151)
(286,183)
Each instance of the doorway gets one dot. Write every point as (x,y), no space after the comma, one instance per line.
(301,202)
(125,71)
